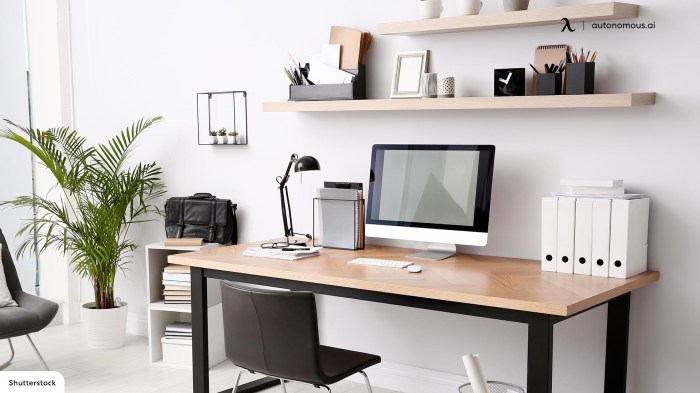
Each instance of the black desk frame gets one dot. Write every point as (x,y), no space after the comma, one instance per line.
(540,330)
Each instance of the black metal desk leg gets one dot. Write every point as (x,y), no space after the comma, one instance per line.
(540,340)
(200,331)
(616,344)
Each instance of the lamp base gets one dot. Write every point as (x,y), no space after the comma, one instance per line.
(294,242)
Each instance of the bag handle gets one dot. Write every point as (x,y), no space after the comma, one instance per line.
(212,220)
(202,195)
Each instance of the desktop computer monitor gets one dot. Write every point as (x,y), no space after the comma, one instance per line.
(439,194)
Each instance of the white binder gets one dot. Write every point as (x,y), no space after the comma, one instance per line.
(629,229)
(600,243)
(566,221)
(583,236)
(549,234)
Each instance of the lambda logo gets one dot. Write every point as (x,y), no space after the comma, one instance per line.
(567,25)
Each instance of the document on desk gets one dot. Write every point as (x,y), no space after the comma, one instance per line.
(277,253)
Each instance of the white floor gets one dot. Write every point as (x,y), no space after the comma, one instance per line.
(126,369)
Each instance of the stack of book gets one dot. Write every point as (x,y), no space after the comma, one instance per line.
(177,284)
(179,330)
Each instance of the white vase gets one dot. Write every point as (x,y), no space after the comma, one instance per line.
(104,328)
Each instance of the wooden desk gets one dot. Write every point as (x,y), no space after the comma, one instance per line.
(491,287)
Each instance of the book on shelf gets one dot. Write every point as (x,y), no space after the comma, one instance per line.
(177,283)
(184,277)
(170,297)
(166,301)
(177,269)
(178,340)
(177,288)
(177,293)
(178,334)
(179,327)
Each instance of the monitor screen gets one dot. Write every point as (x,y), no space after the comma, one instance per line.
(445,187)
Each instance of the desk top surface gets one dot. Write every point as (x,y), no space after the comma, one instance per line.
(516,284)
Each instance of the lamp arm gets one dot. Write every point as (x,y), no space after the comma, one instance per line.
(283,179)
(284,211)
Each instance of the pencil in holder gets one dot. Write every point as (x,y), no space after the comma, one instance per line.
(580,78)
(549,84)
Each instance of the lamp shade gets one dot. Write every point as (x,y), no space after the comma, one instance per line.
(306,163)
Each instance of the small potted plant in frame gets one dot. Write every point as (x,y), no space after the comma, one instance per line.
(233,137)
(214,140)
(222,136)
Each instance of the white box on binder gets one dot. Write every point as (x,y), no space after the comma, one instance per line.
(583,236)
(600,244)
(549,234)
(629,230)
(566,221)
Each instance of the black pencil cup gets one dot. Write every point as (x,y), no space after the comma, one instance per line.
(580,78)
(341,91)
(549,84)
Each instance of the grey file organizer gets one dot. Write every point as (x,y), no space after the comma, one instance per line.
(342,223)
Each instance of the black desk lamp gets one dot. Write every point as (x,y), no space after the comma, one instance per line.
(301,164)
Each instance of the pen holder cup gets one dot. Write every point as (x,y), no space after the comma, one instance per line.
(356,90)
(580,78)
(494,387)
(549,84)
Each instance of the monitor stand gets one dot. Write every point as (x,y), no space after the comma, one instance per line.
(436,252)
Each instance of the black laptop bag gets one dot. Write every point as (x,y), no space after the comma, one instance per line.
(202,215)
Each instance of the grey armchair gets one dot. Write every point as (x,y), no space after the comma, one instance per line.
(32,315)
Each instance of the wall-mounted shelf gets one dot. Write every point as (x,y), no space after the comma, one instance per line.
(504,20)
(620,100)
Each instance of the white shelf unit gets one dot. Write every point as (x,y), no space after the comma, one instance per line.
(161,314)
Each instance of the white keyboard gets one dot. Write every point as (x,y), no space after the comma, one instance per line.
(380,262)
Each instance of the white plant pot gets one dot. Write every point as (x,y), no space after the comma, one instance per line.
(232,140)
(104,329)
(215,140)
(223,140)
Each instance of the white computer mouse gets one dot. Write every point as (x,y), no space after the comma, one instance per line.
(414,268)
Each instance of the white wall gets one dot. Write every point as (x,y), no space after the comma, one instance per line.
(135,58)
(15,162)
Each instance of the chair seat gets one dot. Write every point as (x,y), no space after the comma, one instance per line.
(32,315)
(339,364)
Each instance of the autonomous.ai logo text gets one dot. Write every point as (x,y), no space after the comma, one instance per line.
(567,25)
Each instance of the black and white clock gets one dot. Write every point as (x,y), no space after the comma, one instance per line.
(509,82)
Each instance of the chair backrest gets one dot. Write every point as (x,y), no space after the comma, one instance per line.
(272,332)
(9,267)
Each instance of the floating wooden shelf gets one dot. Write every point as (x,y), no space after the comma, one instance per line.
(503,20)
(621,100)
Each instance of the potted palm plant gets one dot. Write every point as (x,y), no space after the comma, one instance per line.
(98,198)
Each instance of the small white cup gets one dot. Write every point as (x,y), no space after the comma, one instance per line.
(429,9)
(446,87)
(515,5)
(469,7)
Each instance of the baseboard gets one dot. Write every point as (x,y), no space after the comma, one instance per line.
(409,379)
(137,324)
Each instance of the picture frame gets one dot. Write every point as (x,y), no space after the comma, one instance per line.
(409,66)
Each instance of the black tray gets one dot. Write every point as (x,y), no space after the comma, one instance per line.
(344,91)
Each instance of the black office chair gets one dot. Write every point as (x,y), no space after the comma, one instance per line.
(275,333)
(32,315)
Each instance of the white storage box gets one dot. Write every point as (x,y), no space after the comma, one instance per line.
(177,351)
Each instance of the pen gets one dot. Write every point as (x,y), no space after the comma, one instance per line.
(534,69)
(296,249)
(595,54)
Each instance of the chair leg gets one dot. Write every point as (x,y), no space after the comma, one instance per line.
(369,387)
(284,388)
(12,356)
(238,379)
(38,354)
